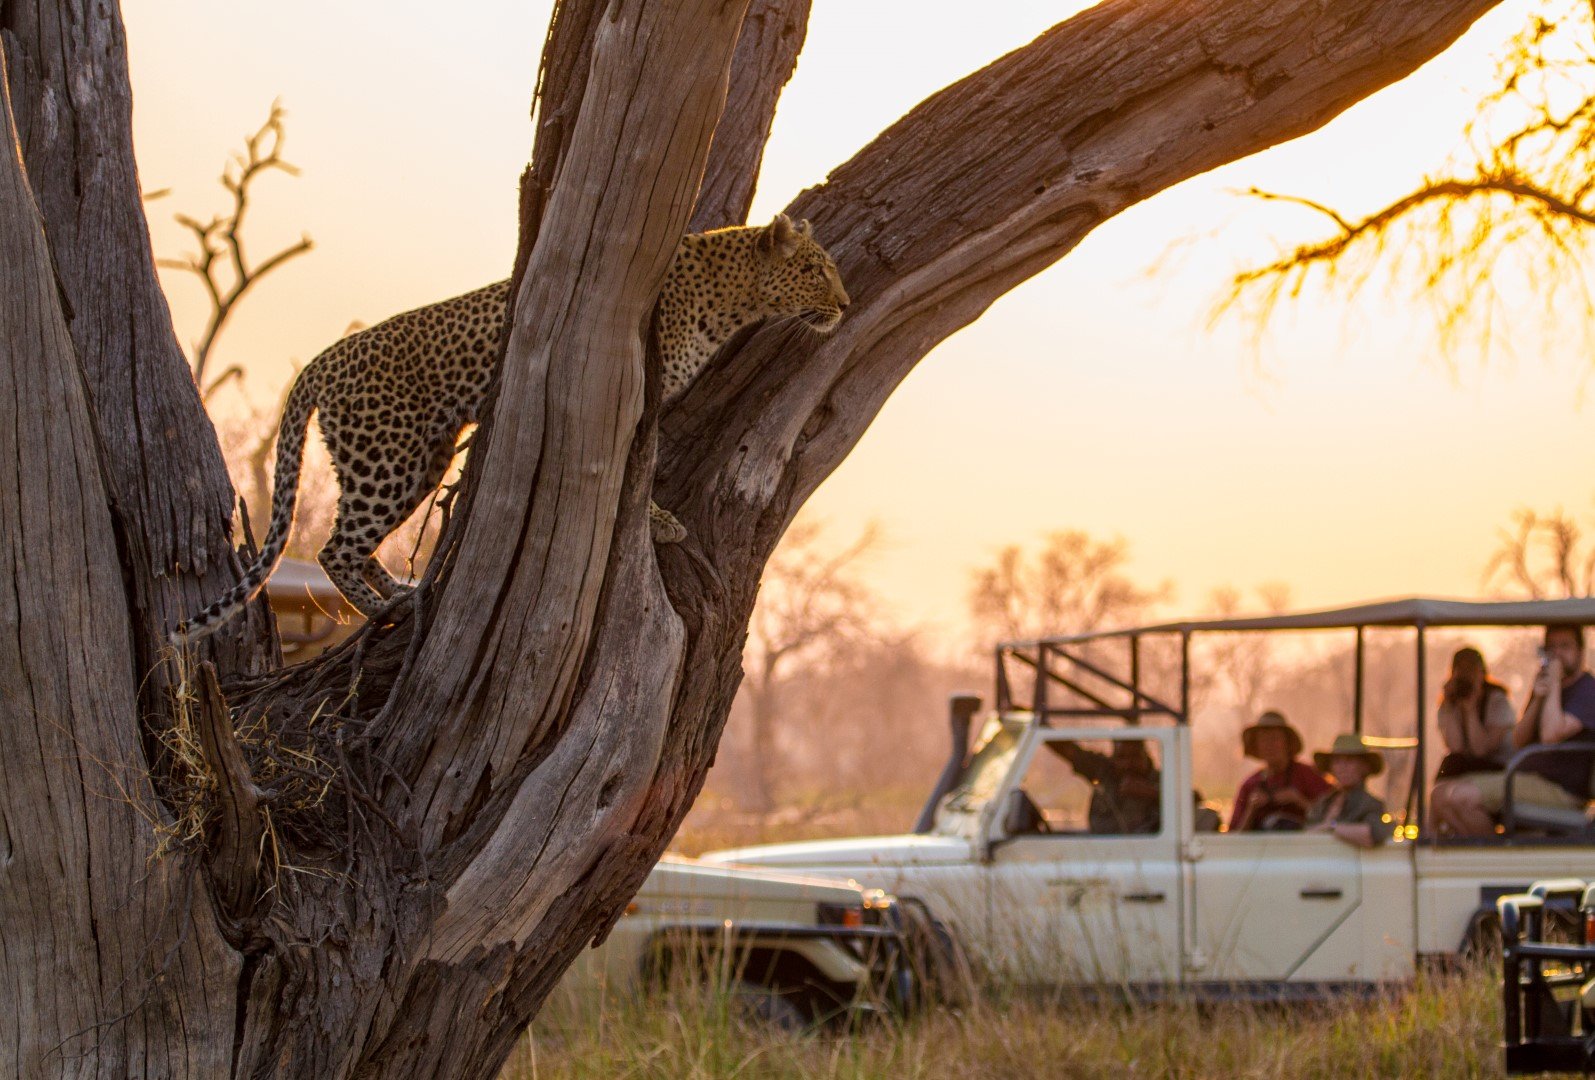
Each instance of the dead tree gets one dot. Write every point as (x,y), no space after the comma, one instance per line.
(1564,565)
(222,264)
(811,606)
(378,863)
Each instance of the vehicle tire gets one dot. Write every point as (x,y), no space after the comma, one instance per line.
(767,1008)
(941,970)
(1482,941)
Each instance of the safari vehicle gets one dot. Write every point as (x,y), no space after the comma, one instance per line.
(1548,977)
(1037,893)
(791,951)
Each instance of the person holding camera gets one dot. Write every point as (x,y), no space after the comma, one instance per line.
(1560,709)
(1476,719)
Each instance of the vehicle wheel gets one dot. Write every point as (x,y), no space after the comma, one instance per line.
(766,1007)
(1483,939)
(941,970)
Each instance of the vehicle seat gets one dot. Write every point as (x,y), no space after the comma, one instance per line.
(1553,820)
(1023,817)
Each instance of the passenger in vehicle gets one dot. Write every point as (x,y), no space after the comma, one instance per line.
(1560,709)
(1349,812)
(1476,722)
(1278,795)
(1476,719)
(1126,787)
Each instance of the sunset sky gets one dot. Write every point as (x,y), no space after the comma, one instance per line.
(1348,458)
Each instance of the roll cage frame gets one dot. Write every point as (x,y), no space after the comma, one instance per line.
(1059,669)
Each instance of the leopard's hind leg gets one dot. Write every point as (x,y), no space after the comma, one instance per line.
(407,471)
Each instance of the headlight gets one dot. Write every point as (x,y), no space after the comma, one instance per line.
(850,916)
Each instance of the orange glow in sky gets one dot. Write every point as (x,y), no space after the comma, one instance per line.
(1349,460)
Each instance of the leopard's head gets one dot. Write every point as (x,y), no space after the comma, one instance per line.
(797,277)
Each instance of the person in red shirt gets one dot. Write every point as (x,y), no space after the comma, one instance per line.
(1278,795)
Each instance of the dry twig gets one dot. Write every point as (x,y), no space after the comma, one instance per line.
(221,241)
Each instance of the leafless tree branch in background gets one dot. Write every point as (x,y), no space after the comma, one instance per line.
(1073,583)
(812,605)
(1542,556)
(1514,206)
(221,264)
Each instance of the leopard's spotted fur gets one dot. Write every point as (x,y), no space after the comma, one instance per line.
(393,399)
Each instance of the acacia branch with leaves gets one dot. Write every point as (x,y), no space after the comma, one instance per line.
(1519,196)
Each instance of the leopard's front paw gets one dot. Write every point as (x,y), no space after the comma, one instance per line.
(666,529)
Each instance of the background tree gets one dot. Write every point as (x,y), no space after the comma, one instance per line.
(458,799)
(812,607)
(1515,204)
(1240,666)
(1073,584)
(222,264)
(1543,556)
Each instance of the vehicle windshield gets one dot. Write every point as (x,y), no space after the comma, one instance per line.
(959,811)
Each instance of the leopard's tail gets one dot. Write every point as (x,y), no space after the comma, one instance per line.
(302,401)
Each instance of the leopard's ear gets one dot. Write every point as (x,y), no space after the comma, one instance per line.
(805,229)
(779,238)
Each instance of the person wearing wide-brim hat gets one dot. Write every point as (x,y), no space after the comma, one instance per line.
(1349,812)
(1277,795)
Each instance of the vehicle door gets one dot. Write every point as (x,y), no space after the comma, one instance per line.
(1078,896)
(1301,907)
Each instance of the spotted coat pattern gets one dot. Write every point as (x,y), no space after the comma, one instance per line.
(393,399)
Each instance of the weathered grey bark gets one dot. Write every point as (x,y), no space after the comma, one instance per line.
(99,941)
(767,52)
(544,730)
(168,484)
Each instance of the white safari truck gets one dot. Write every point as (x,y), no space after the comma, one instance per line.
(792,951)
(1039,891)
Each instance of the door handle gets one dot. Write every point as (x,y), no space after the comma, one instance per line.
(1142,898)
(1321,894)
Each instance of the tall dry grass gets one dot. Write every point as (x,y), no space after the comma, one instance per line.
(1445,1025)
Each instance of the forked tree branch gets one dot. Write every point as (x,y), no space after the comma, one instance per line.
(221,239)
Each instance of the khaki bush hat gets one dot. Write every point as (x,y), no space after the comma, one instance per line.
(1271,721)
(1350,745)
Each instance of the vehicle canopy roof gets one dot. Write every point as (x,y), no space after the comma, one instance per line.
(1413,611)
(1079,677)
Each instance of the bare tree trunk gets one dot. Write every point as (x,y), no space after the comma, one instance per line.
(767,52)
(504,766)
(100,949)
(168,484)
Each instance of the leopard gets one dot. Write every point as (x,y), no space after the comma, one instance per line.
(394,399)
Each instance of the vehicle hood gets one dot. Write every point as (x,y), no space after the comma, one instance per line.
(862,853)
(676,876)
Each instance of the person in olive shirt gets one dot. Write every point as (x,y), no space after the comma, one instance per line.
(1125,786)
(1349,812)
